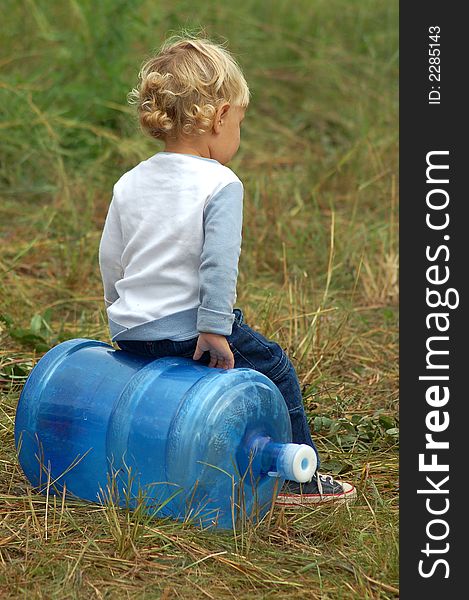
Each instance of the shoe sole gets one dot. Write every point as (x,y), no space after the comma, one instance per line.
(349,495)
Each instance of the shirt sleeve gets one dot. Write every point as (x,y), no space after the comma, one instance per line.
(110,253)
(218,272)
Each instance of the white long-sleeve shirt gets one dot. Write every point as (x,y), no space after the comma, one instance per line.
(170,248)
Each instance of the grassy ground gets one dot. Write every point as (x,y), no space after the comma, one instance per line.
(318,273)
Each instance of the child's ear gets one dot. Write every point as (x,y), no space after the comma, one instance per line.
(220,116)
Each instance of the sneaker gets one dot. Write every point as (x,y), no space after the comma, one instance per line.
(320,489)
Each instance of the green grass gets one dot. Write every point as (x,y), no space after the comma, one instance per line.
(318,273)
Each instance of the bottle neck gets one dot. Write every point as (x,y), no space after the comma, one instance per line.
(262,456)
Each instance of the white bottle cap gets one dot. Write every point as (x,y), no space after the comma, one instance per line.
(297,462)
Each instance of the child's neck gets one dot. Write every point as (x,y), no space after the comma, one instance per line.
(196,148)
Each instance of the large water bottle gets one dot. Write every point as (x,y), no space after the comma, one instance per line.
(189,441)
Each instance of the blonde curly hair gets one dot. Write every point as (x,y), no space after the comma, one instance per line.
(181,88)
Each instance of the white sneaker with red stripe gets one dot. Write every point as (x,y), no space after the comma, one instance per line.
(320,489)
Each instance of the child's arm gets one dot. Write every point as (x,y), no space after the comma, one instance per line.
(218,274)
(110,252)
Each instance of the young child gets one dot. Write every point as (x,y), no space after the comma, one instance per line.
(172,238)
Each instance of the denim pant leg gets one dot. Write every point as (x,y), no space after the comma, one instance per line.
(161,348)
(253,350)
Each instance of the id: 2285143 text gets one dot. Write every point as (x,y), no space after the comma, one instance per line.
(434,64)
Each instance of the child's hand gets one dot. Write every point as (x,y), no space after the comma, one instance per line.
(220,351)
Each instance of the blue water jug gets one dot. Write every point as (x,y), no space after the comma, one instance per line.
(189,441)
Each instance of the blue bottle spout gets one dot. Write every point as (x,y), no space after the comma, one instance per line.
(297,462)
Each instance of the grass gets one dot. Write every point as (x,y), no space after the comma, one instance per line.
(318,273)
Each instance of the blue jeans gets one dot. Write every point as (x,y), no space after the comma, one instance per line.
(252,350)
